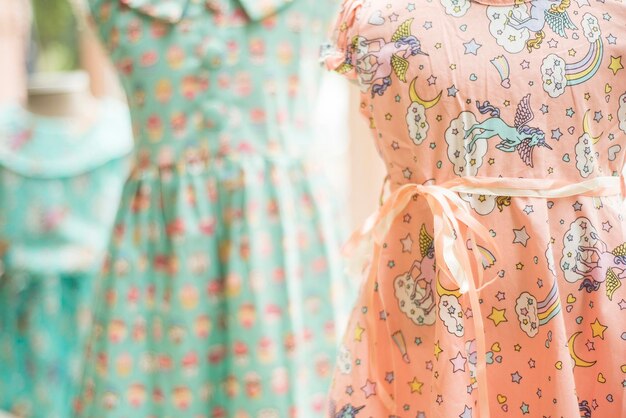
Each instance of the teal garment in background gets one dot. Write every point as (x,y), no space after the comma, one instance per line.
(223,289)
(60,186)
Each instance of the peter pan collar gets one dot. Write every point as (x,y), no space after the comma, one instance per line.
(173,11)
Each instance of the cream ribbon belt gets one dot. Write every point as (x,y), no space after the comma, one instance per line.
(454,228)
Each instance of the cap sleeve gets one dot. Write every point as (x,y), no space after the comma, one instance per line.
(339,54)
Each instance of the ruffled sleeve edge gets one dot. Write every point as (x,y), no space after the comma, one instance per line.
(338,54)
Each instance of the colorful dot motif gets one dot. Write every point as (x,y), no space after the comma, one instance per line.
(60,186)
(222,287)
(489,89)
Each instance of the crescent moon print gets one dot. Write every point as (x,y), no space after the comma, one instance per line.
(416,114)
(578,361)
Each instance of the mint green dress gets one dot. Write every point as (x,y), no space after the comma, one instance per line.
(222,290)
(59,190)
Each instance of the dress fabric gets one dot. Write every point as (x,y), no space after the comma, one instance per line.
(60,184)
(217,298)
(494,276)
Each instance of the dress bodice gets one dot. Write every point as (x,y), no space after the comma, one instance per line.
(217,78)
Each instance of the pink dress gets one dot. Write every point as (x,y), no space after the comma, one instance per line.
(494,275)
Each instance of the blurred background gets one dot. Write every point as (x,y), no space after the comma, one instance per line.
(60,185)
(56,42)
(55,36)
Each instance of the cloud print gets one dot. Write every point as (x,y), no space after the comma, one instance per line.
(511,39)
(621,113)
(456,8)
(465,163)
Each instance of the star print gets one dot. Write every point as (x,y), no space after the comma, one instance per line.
(417,341)
(557,134)
(358,332)
(519,266)
(393,17)
(438,350)
(570,112)
(395,145)
(497,315)
(622,304)
(539,283)
(597,116)
(467,412)
(616,64)
(606,16)
(406,219)
(410,7)
(611,39)
(516,377)
(458,363)
(544,109)
(429,365)
(553,43)
(525,408)
(539,393)
(517,347)
(452,91)
(369,389)
(500,296)
(528,209)
(431,80)
(525,65)
(428,25)
(521,236)
(416,385)
(349,390)
(398,98)
(407,243)
(389,377)
(382,315)
(439,399)
(391,264)
(590,345)
(407,173)
(606,226)
(472,47)
(531,363)
(598,329)
(577,206)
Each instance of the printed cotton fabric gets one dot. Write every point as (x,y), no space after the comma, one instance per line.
(60,184)
(223,282)
(462,93)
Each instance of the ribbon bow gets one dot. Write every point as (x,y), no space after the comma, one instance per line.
(454,229)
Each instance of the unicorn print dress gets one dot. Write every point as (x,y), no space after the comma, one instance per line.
(494,273)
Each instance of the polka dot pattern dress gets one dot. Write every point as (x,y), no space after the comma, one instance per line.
(222,285)
(60,186)
(494,277)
